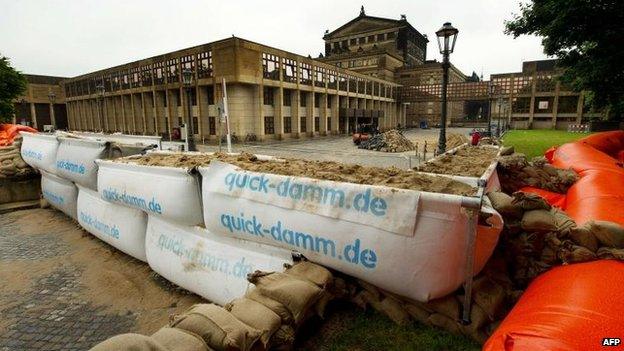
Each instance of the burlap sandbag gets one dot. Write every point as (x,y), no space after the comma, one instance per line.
(218,327)
(503,204)
(610,253)
(507,150)
(129,342)
(582,236)
(575,254)
(296,294)
(257,316)
(309,271)
(393,309)
(275,306)
(563,222)
(529,201)
(489,296)
(417,313)
(174,339)
(474,330)
(322,302)
(447,306)
(441,321)
(538,221)
(284,338)
(370,288)
(608,233)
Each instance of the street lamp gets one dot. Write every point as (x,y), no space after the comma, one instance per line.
(52,98)
(446,43)
(187,79)
(99,89)
(491,91)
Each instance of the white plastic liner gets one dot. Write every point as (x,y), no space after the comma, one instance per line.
(119,226)
(61,193)
(39,150)
(212,266)
(75,160)
(172,193)
(407,242)
(123,138)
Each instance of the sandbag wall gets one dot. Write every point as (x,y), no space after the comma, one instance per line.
(577,307)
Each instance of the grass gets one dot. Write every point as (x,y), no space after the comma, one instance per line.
(348,328)
(535,142)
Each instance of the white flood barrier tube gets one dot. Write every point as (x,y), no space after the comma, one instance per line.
(212,266)
(408,242)
(75,160)
(39,150)
(172,193)
(119,226)
(61,193)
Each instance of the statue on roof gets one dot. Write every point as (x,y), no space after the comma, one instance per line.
(362,13)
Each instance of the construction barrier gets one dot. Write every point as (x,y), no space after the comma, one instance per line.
(212,266)
(168,192)
(574,307)
(75,160)
(39,150)
(60,193)
(119,226)
(409,242)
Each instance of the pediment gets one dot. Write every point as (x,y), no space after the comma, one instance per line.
(363,24)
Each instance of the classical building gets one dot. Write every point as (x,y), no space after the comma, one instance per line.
(272,94)
(42,104)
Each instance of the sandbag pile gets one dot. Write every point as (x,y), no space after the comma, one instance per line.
(390,141)
(516,172)
(454,140)
(492,298)
(12,164)
(267,317)
(537,236)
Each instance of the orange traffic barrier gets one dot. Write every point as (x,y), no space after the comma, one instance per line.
(8,132)
(574,307)
(554,199)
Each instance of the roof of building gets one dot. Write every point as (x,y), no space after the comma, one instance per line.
(40,79)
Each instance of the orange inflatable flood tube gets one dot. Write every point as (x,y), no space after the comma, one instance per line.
(574,307)
(8,132)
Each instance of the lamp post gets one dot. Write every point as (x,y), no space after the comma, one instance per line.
(99,89)
(52,98)
(446,43)
(187,79)
(491,89)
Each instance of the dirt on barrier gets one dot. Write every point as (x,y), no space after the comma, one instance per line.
(324,170)
(468,161)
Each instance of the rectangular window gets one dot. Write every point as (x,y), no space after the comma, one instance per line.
(380,37)
(159,73)
(210,94)
(303,97)
(371,38)
(328,123)
(195,125)
(289,70)
(302,124)
(306,73)
(188,63)
(172,71)
(193,97)
(287,98)
(212,125)
(319,76)
(267,96)
(146,75)
(353,41)
(329,100)
(178,98)
(317,124)
(317,100)
(331,80)
(269,125)
(287,125)
(270,66)
(204,64)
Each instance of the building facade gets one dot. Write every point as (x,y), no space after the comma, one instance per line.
(272,94)
(42,104)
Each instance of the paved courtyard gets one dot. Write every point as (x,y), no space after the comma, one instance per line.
(341,148)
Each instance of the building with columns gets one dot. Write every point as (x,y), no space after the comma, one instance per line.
(43,103)
(272,94)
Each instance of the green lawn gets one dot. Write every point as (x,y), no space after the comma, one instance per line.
(534,142)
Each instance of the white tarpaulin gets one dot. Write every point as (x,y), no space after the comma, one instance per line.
(39,150)
(118,226)
(212,266)
(407,242)
(172,193)
(60,193)
(75,160)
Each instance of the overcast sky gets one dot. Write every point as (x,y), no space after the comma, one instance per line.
(70,38)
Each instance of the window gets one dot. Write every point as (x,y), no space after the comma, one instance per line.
(289,70)
(210,94)
(380,37)
(328,99)
(331,80)
(178,98)
(390,35)
(371,38)
(567,104)
(306,73)
(352,85)
(267,96)
(521,105)
(146,75)
(204,64)
(544,84)
(287,125)
(172,71)
(270,66)
(287,98)
(187,63)
(328,123)
(362,40)
(269,125)
(135,77)
(159,73)
(193,97)
(317,100)
(212,125)
(317,124)
(303,99)
(345,44)
(342,83)
(319,76)
(125,80)
(302,124)
(353,41)
(195,125)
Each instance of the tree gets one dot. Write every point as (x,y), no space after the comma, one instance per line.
(12,85)
(586,37)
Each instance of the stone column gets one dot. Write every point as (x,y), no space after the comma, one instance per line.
(278,107)
(295,124)
(33,115)
(555,110)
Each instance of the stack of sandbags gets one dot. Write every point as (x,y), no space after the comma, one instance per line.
(390,141)
(537,237)
(490,302)
(166,339)
(11,163)
(515,172)
(454,140)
